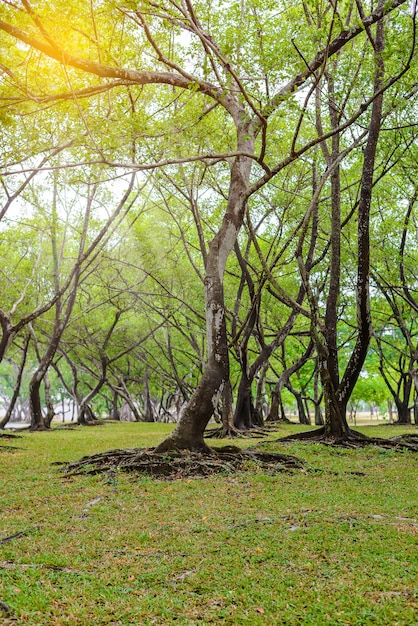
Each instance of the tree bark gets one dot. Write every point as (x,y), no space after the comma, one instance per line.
(337,395)
(189,431)
(16,389)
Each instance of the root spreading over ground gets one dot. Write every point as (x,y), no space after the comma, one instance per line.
(355,440)
(249,433)
(181,464)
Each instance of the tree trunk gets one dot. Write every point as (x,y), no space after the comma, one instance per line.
(148,408)
(337,395)
(227,410)
(302,413)
(404,412)
(50,412)
(390,411)
(85,415)
(260,404)
(319,418)
(189,431)
(244,407)
(37,419)
(16,389)
(115,414)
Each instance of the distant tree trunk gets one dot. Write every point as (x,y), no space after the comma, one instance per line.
(50,412)
(115,413)
(260,397)
(276,405)
(85,415)
(244,408)
(148,408)
(227,410)
(319,418)
(16,389)
(129,400)
(304,417)
(390,411)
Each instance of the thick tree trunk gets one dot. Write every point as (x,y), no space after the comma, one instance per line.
(85,415)
(336,425)
(404,412)
(36,416)
(189,431)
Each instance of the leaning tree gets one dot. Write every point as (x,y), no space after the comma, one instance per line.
(172,71)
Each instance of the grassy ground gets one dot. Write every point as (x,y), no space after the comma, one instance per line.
(328,547)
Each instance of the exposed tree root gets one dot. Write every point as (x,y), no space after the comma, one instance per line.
(5,608)
(9,448)
(355,440)
(181,464)
(256,432)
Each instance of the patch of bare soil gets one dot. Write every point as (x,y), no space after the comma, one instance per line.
(181,464)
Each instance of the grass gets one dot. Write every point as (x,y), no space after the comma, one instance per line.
(335,545)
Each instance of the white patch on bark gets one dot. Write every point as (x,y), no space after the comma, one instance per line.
(228,241)
(215,315)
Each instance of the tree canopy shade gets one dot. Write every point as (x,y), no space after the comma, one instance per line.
(161,87)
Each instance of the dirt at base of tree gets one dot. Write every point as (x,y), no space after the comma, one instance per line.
(182,464)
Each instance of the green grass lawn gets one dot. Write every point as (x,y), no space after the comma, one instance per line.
(335,544)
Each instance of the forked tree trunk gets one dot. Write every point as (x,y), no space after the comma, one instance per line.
(337,393)
(85,415)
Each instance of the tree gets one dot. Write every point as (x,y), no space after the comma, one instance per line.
(218,80)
